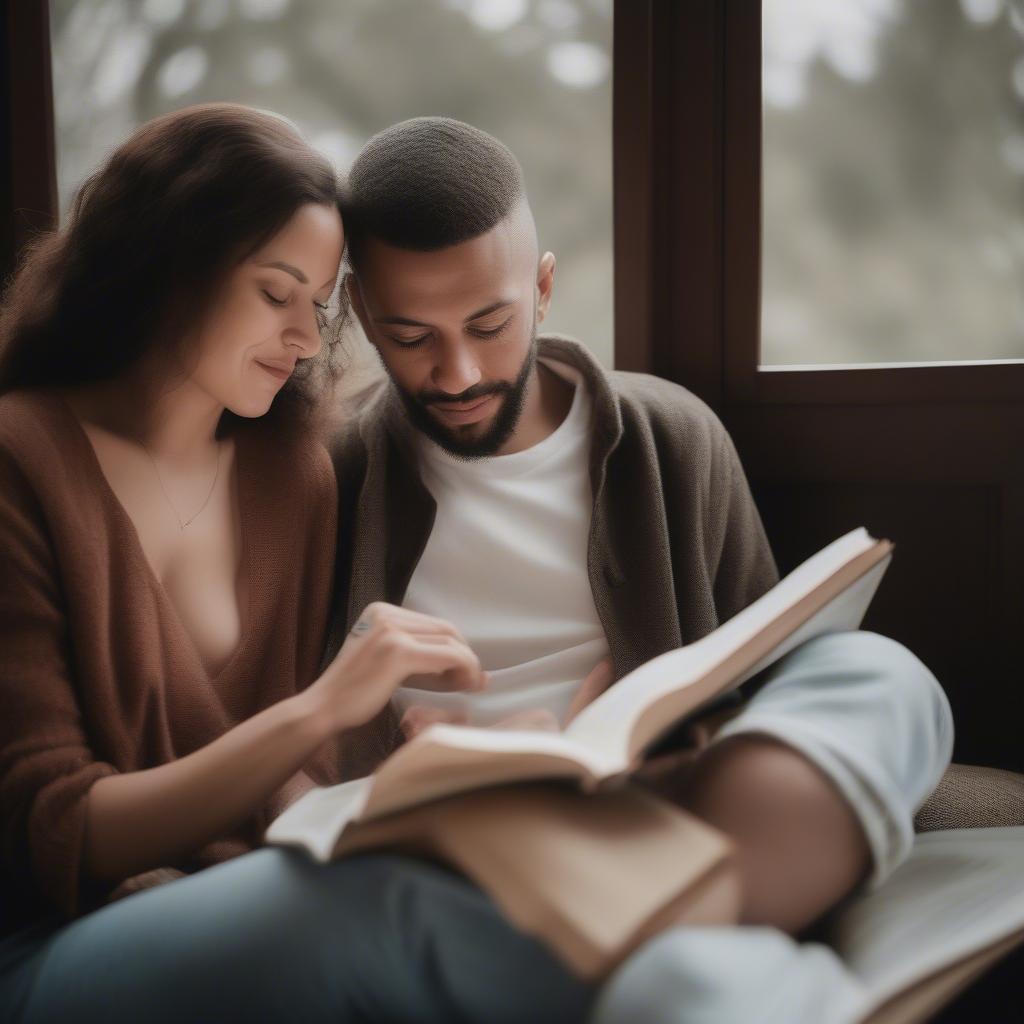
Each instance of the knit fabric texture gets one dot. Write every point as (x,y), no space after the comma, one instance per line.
(97,674)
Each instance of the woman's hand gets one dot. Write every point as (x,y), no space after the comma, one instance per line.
(387,646)
(417,718)
(139,820)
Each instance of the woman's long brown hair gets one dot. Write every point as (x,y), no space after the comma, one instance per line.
(151,237)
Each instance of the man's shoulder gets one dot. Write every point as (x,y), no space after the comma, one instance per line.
(647,414)
(661,401)
(666,424)
(640,397)
(360,420)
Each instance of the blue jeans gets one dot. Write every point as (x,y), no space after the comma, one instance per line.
(272,936)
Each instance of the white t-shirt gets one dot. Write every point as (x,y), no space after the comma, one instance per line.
(506,562)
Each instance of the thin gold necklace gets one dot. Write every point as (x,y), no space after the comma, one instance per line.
(160,480)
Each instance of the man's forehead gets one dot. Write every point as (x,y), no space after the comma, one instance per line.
(465,274)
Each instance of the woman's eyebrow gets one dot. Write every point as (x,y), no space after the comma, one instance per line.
(288,269)
(295,272)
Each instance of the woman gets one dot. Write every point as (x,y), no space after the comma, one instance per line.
(167,526)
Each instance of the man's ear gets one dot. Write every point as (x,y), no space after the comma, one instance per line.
(545,284)
(355,296)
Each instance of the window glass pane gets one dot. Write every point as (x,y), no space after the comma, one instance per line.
(893,181)
(535,73)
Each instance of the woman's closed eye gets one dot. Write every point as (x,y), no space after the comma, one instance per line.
(322,307)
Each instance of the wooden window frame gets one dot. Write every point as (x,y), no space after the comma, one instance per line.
(28,166)
(688,259)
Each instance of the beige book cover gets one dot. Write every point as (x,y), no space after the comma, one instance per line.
(591,876)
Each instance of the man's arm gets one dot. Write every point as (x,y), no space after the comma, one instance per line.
(800,846)
(746,567)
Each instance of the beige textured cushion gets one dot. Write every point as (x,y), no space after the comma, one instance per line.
(969,796)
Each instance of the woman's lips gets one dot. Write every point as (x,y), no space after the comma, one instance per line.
(280,372)
(461,413)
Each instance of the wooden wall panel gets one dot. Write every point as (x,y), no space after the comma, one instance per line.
(941,595)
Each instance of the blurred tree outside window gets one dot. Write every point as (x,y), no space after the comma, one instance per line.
(893,181)
(535,73)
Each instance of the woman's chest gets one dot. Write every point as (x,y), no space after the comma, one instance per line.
(187,532)
(199,571)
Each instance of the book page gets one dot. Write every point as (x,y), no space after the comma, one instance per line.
(318,817)
(831,590)
(959,892)
(442,761)
(626,718)
(448,759)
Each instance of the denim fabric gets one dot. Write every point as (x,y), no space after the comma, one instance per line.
(272,936)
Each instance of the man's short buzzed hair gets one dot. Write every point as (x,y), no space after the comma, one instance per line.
(429,183)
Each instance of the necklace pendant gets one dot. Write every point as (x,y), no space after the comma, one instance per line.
(167,497)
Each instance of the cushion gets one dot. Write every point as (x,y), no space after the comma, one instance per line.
(969,796)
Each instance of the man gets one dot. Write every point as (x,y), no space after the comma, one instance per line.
(564,518)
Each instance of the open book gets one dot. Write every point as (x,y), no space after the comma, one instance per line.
(829,592)
(547,823)
(946,915)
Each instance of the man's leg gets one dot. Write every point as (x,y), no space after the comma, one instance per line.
(273,937)
(818,778)
(744,975)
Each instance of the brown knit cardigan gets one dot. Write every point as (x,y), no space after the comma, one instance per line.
(97,674)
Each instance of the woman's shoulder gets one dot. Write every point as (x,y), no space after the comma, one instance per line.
(23,409)
(291,457)
(34,429)
(35,442)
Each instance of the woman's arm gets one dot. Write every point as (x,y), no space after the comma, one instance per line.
(140,820)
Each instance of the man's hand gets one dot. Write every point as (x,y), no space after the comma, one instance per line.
(416,719)
(601,677)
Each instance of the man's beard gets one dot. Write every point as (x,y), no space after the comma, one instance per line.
(417,406)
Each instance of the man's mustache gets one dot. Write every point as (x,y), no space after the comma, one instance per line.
(477,391)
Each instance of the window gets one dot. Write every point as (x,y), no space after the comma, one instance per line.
(535,73)
(893,165)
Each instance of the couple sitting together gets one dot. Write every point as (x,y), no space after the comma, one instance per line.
(204,613)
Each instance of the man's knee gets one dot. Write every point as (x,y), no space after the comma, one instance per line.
(867,675)
(907,695)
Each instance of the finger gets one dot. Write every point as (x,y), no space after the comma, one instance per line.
(443,663)
(379,613)
(416,719)
(599,679)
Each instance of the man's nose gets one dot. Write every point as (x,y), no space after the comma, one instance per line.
(456,369)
